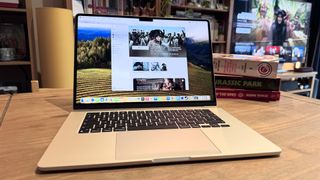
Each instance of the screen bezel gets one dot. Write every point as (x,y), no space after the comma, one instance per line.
(212,102)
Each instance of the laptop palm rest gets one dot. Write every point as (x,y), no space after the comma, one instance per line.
(159,145)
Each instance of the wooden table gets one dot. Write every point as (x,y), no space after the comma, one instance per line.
(293,123)
(4,98)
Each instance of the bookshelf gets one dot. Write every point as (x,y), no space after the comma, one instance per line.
(13,9)
(20,71)
(199,9)
(293,77)
(223,15)
(120,7)
(15,63)
(220,15)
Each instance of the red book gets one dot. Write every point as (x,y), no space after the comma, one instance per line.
(248,94)
(9,5)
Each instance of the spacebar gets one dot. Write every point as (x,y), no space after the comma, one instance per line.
(152,127)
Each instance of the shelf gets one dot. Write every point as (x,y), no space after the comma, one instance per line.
(219,42)
(178,7)
(295,75)
(300,90)
(12,9)
(14,63)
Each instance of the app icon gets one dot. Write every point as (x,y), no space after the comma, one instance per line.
(168,98)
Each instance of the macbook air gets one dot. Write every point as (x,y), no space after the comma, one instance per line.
(144,94)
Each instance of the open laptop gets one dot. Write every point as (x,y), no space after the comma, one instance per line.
(144,94)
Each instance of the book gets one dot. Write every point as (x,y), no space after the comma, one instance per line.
(248,94)
(9,3)
(77,7)
(248,83)
(100,7)
(245,65)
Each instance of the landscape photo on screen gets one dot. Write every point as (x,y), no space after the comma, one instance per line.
(93,58)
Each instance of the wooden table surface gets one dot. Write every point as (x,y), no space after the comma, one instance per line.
(293,123)
(4,98)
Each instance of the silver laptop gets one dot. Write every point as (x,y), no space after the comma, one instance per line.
(144,94)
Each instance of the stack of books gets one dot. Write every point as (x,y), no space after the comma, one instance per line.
(9,3)
(246,77)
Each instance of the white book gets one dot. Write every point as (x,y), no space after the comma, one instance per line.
(10,1)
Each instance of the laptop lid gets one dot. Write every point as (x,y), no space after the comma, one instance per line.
(125,62)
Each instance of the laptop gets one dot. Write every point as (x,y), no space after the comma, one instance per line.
(144,94)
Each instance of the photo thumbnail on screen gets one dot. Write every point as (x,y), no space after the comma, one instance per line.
(157,41)
(158,66)
(159,84)
(141,66)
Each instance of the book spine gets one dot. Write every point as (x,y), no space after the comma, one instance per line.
(248,83)
(246,68)
(248,94)
(9,5)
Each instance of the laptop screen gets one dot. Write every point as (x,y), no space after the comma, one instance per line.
(142,60)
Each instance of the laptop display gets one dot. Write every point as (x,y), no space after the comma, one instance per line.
(130,60)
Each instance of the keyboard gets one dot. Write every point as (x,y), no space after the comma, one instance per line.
(97,122)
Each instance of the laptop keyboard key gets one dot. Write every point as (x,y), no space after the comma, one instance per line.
(107,129)
(120,128)
(97,130)
(137,128)
(225,125)
(85,130)
(183,126)
(214,125)
(205,125)
(195,125)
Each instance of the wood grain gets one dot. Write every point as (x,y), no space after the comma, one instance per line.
(292,123)
(3,101)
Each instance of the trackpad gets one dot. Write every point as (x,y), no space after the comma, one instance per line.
(163,144)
